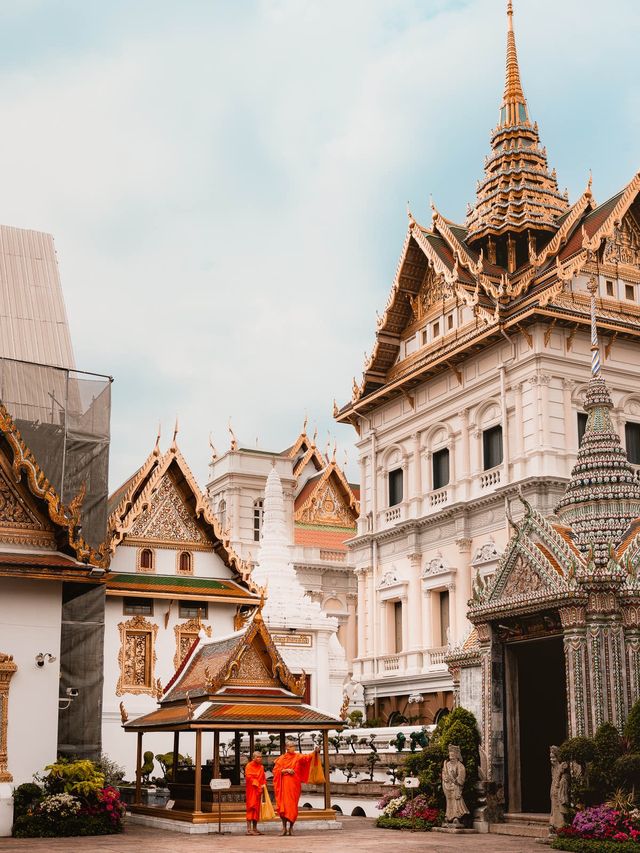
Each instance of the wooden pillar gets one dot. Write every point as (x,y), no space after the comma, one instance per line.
(325,761)
(198,792)
(139,770)
(176,742)
(237,758)
(252,743)
(282,744)
(216,755)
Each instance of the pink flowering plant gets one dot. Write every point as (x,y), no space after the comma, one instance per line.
(71,799)
(604,823)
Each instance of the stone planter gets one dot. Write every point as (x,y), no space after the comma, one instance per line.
(151,796)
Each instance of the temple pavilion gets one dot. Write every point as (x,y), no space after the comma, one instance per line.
(234,684)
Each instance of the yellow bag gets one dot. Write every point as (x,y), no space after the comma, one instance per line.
(316,776)
(267,812)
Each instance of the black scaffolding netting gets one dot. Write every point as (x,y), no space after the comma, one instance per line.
(64,417)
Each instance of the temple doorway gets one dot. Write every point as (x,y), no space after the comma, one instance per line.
(536,710)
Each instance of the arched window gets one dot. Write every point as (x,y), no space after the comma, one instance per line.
(222,513)
(395,487)
(492,447)
(440,461)
(258,511)
(185,563)
(146,560)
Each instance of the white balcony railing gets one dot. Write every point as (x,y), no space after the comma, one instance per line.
(390,664)
(439,498)
(393,514)
(333,556)
(435,657)
(490,478)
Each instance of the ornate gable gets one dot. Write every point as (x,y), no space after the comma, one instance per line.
(20,521)
(167,518)
(623,247)
(330,502)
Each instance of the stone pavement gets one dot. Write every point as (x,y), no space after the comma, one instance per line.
(359,834)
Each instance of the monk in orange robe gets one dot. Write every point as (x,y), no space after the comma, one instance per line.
(290,770)
(255,780)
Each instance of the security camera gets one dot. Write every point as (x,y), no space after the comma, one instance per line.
(41,657)
(72,692)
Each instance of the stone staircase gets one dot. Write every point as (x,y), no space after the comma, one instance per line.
(524,825)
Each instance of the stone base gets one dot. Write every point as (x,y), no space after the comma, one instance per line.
(227,828)
(455,830)
(6,809)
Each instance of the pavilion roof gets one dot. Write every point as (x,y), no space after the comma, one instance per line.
(237,681)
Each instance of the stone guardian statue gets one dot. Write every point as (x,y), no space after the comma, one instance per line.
(453,779)
(560,789)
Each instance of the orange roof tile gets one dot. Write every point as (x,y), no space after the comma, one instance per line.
(323,537)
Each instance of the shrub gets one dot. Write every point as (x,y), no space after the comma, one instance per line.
(427,766)
(626,771)
(113,773)
(24,797)
(355,719)
(73,777)
(582,845)
(632,728)
(404,823)
(578,749)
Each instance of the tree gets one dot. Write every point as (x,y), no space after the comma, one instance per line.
(372,759)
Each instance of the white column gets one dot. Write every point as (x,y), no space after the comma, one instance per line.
(427,620)
(364,503)
(321,689)
(465,453)
(414,604)
(361,574)
(417,475)
(405,624)
(463,588)
(352,638)
(545,382)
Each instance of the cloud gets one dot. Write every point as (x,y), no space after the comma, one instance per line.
(227,183)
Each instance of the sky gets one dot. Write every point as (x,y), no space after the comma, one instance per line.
(227,182)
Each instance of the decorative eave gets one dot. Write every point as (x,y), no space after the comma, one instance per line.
(120,526)
(65,517)
(566,228)
(331,472)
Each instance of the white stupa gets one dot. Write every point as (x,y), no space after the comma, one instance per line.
(306,637)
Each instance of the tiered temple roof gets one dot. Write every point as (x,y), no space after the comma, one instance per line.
(518,191)
(507,268)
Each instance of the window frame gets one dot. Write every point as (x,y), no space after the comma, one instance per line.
(258,518)
(179,568)
(487,433)
(141,553)
(190,609)
(142,606)
(636,428)
(395,476)
(439,454)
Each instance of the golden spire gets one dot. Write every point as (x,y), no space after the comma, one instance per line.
(513,109)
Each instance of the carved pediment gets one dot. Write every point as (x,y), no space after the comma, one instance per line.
(168,518)
(522,580)
(252,670)
(20,521)
(624,246)
(432,292)
(327,507)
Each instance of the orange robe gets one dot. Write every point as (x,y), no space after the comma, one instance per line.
(255,779)
(287,788)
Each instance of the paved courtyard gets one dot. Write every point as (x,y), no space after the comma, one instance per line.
(359,834)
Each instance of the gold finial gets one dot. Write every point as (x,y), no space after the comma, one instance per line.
(514,106)
(123,713)
(335,408)
(335,450)
(234,440)
(156,449)
(214,452)
(304,423)
(315,434)
(590,182)
(175,435)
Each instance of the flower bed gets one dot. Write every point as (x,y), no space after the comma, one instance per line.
(402,812)
(601,829)
(71,799)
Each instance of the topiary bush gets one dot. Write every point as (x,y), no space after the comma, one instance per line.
(626,772)
(24,797)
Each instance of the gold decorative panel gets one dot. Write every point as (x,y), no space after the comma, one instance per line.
(167,518)
(7,668)
(137,657)
(186,633)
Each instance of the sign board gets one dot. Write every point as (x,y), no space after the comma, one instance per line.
(219,784)
(293,638)
(411,782)
(170,804)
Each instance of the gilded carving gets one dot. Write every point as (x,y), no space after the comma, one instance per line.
(137,657)
(167,517)
(624,246)
(7,669)
(523,580)
(186,634)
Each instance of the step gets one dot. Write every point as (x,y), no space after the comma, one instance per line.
(522,830)
(527,817)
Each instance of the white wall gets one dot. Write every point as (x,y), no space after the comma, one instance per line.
(30,620)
